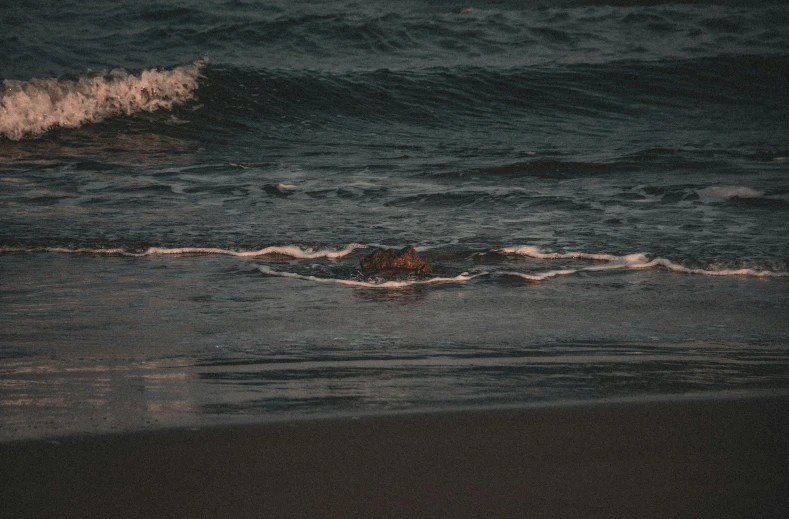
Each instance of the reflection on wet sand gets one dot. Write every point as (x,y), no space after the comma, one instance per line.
(57,398)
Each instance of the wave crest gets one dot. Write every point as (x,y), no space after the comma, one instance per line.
(30,108)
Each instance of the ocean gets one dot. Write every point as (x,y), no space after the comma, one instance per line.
(186,190)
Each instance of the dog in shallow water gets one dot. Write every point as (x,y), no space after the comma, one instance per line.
(393,260)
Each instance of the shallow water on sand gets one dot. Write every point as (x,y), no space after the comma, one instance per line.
(194,340)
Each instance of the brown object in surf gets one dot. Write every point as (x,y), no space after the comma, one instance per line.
(392,260)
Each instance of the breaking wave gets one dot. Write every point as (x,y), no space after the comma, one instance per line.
(31,108)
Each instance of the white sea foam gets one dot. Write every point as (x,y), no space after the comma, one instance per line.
(292,251)
(630,261)
(30,108)
(534,252)
(542,275)
(462,278)
(604,262)
(662,262)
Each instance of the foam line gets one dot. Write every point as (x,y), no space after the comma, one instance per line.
(618,262)
(286,250)
(541,276)
(631,261)
(607,261)
(462,278)
(534,252)
(30,108)
(662,262)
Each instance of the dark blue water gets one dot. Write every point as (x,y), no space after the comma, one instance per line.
(186,190)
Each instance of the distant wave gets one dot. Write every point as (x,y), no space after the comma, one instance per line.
(30,108)
(718,193)
(508,33)
(724,192)
(440,96)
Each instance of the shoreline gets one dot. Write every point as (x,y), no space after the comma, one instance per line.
(213,421)
(697,456)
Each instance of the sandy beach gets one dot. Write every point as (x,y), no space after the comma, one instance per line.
(691,457)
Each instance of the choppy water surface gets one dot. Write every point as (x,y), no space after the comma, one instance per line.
(186,191)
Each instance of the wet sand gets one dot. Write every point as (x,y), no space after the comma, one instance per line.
(695,457)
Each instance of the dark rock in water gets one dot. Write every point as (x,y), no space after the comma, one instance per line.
(388,260)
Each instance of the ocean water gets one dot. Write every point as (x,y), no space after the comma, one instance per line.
(186,189)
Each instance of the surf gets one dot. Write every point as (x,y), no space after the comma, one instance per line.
(31,108)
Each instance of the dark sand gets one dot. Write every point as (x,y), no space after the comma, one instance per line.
(671,458)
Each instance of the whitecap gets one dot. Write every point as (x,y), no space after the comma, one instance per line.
(30,108)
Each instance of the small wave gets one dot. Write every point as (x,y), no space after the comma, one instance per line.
(541,276)
(30,108)
(770,156)
(461,278)
(726,192)
(717,194)
(534,252)
(603,262)
(292,251)
(662,262)
(549,168)
(280,190)
(630,261)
